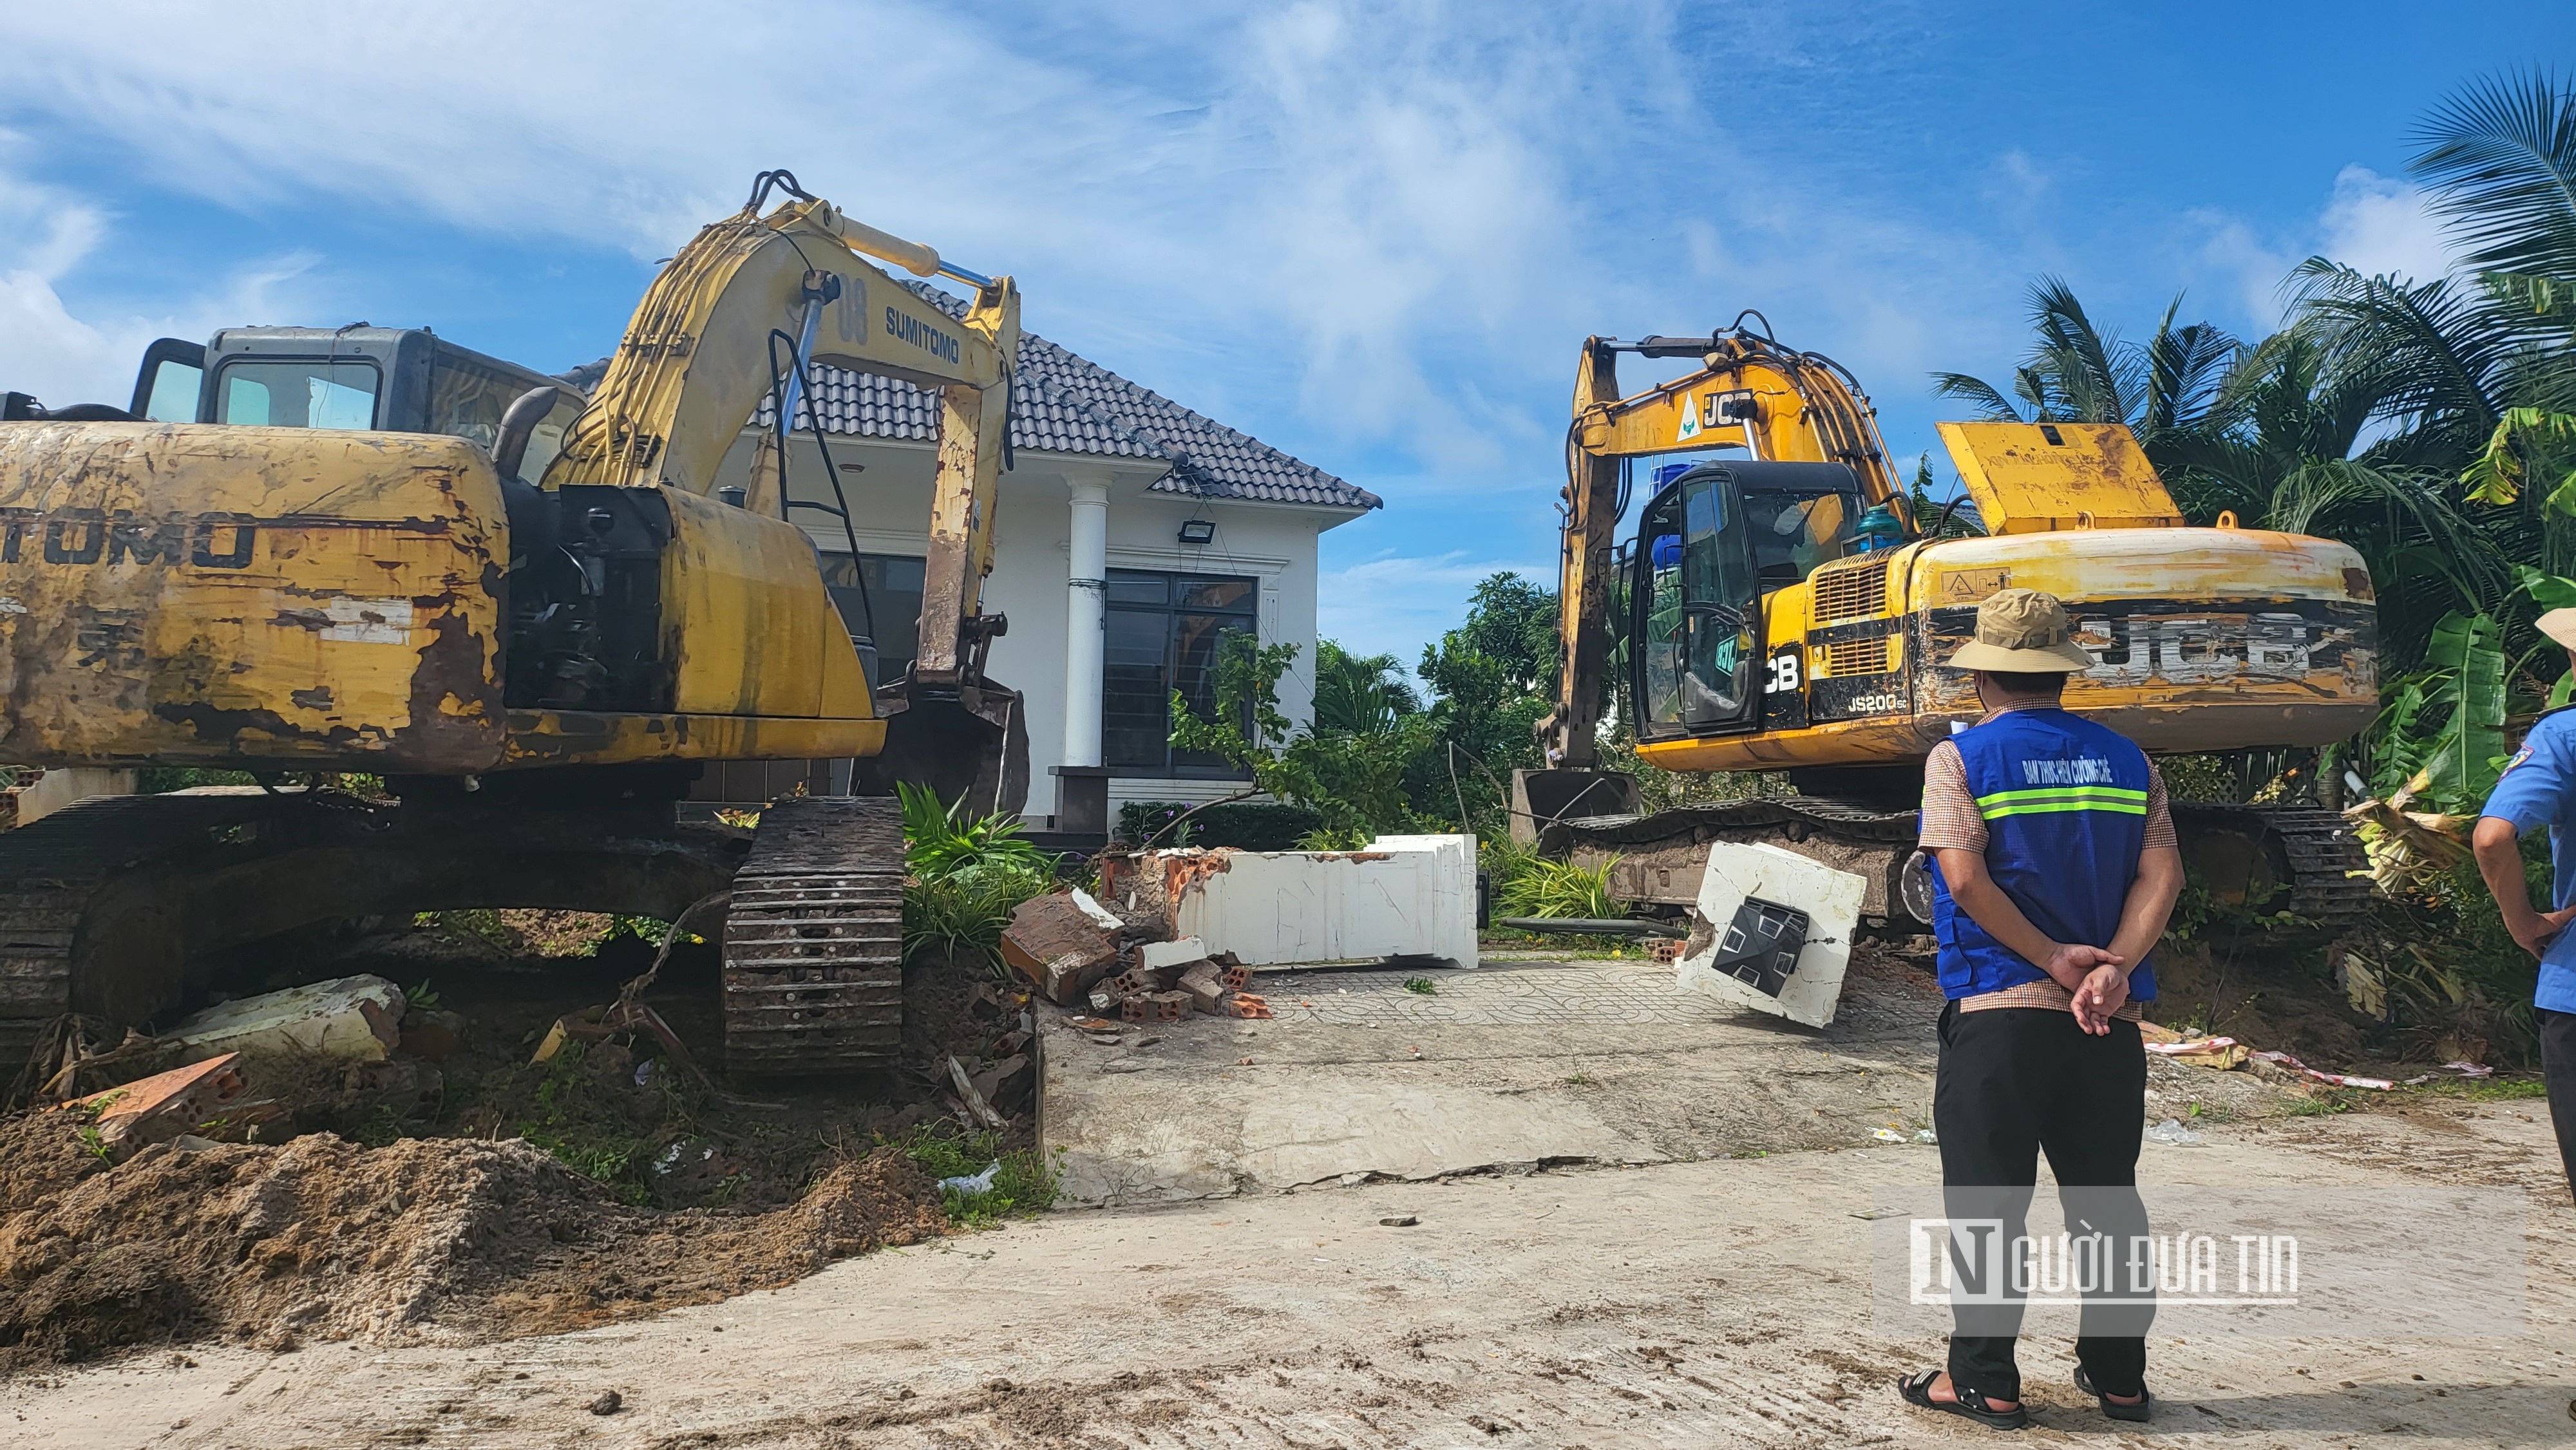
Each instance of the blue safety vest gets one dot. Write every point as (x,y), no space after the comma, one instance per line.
(2065,805)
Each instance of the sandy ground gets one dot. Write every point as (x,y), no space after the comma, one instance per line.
(1692,1301)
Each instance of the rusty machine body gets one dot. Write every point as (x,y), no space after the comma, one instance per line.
(1785,612)
(533,613)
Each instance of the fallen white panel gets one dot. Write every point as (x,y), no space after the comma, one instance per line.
(352,1018)
(1400,896)
(1812,989)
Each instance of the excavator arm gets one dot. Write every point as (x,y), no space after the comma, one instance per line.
(1777,404)
(738,317)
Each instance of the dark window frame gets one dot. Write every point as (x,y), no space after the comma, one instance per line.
(1183,623)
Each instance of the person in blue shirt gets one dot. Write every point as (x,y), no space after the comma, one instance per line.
(2539,789)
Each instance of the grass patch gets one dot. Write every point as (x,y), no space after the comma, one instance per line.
(1024,1186)
(2484,1089)
(1421,986)
(2326,1104)
(579,1110)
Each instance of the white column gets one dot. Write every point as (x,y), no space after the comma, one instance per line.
(1084,642)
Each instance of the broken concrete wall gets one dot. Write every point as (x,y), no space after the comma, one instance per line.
(1401,896)
(356,1019)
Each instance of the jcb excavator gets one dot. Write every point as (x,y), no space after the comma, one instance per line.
(331,558)
(1784,611)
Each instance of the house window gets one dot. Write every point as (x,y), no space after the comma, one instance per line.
(1164,632)
(893,596)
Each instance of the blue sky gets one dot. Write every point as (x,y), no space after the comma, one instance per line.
(1371,235)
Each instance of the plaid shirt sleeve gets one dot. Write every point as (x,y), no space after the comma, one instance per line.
(2160,827)
(1951,819)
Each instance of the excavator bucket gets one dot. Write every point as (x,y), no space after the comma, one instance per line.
(971,745)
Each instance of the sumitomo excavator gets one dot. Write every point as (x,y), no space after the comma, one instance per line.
(1784,611)
(534,614)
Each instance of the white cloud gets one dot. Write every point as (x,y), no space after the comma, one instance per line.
(1391,200)
(46,234)
(2250,271)
(2372,223)
(2379,225)
(1394,604)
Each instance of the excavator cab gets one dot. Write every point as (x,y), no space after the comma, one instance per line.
(1697,607)
(1710,546)
(358,378)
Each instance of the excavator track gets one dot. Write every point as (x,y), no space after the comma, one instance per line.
(52,872)
(813,942)
(2245,854)
(115,908)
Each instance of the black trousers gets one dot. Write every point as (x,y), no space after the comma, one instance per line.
(2558,1072)
(2016,1081)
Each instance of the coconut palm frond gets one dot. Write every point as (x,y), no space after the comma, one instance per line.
(1991,406)
(2500,155)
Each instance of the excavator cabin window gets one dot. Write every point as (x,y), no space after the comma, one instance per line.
(298,393)
(1795,531)
(1696,608)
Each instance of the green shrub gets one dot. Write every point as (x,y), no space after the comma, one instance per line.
(1537,886)
(941,840)
(964,912)
(1023,1187)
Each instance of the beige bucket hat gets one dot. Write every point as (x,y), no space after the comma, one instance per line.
(2024,631)
(2560,625)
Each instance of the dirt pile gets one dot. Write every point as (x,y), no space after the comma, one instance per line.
(324,1239)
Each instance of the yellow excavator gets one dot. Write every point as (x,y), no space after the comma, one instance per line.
(534,615)
(1784,610)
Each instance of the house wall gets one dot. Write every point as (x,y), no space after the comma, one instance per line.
(890,505)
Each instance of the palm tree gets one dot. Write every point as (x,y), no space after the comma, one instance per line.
(1360,695)
(2077,373)
(2501,156)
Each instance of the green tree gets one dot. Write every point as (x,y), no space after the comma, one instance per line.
(1360,695)
(1491,679)
(1354,780)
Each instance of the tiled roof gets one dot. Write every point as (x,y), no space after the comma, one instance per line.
(1061,403)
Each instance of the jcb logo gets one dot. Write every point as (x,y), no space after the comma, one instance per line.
(93,536)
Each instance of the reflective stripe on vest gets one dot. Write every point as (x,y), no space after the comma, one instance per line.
(2062,798)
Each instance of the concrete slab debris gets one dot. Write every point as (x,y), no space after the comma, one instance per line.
(1154,955)
(1061,944)
(357,1019)
(1751,901)
(1400,896)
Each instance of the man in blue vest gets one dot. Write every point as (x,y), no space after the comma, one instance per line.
(2539,789)
(2054,868)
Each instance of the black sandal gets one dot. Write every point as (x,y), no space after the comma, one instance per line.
(2143,1410)
(1916,1390)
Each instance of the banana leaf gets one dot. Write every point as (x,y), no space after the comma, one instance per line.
(2467,755)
